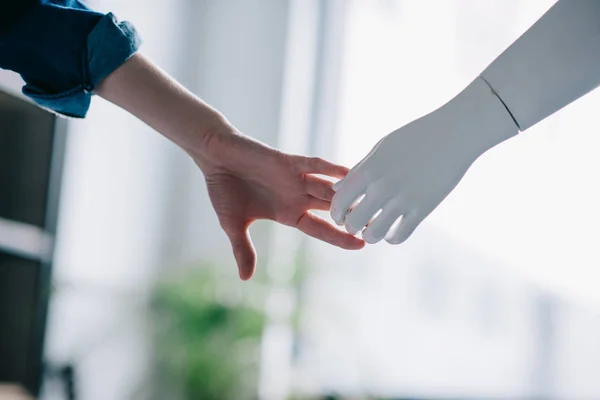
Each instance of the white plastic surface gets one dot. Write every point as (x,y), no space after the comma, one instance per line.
(410,171)
(552,64)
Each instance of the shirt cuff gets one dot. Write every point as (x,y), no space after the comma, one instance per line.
(108,46)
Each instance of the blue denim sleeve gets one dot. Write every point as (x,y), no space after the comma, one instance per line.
(62,49)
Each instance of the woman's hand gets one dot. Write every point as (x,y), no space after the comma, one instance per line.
(248,180)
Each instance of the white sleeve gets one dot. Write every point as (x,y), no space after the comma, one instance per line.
(551,65)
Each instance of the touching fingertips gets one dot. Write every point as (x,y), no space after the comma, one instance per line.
(358,244)
(336,214)
(353,243)
(343,172)
(337,170)
(353,230)
(369,237)
(354,240)
(329,194)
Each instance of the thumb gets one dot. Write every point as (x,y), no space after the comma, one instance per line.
(243,251)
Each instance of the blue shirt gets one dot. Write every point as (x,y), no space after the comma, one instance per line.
(62,50)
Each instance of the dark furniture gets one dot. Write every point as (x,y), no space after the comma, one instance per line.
(32,143)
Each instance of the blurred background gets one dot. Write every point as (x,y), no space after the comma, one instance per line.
(495,295)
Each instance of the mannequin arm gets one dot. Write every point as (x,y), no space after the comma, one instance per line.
(412,170)
(551,65)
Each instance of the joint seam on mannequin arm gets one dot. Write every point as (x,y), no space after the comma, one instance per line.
(503,103)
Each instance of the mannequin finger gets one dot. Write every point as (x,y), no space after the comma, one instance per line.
(407,226)
(319,187)
(337,185)
(348,176)
(380,226)
(361,214)
(317,165)
(350,173)
(320,229)
(349,192)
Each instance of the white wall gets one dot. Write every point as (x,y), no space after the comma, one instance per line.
(450,313)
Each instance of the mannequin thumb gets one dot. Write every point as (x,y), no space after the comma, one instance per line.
(244,252)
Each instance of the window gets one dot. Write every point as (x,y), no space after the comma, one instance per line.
(510,220)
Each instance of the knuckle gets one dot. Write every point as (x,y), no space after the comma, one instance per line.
(304,182)
(293,162)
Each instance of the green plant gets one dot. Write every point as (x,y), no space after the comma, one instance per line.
(208,330)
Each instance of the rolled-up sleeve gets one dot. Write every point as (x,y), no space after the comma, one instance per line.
(62,49)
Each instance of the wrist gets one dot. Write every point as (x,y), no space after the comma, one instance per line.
(205,144)
(480,119)
(144,90)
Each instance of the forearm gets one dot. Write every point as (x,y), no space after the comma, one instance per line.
(554,63)
(147,92)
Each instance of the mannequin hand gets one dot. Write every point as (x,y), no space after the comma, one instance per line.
(410,171)
(248,180)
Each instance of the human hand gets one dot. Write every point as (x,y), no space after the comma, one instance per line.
(248,180)
(412,170)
